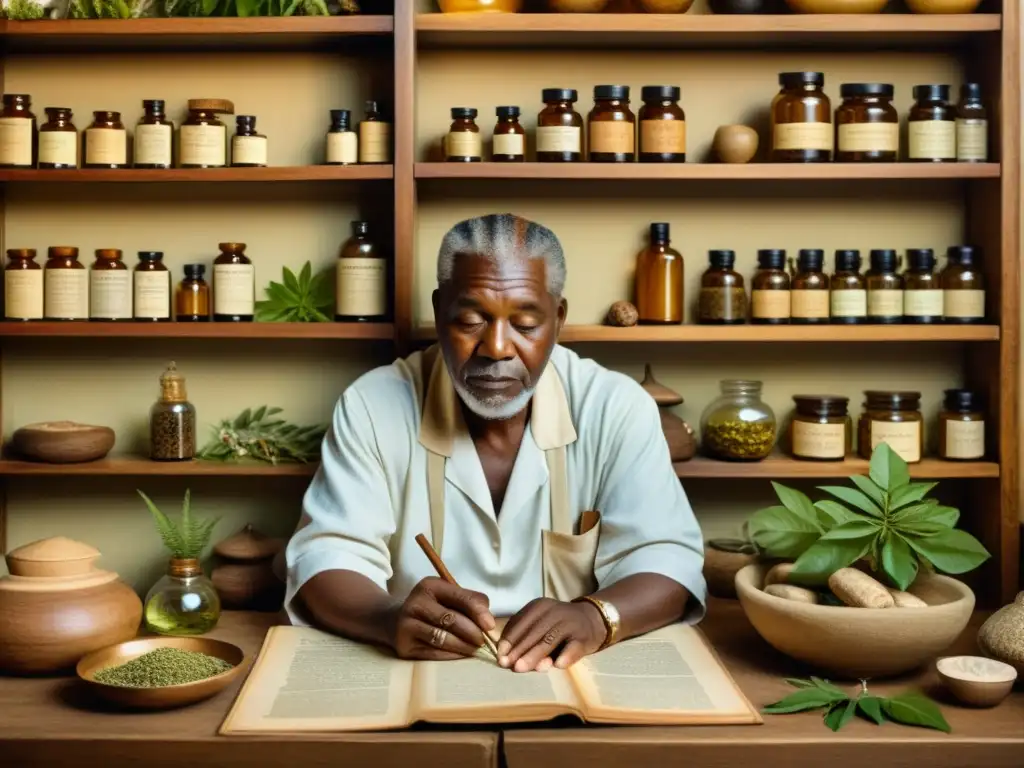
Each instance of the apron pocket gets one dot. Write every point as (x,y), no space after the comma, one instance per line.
(569,563)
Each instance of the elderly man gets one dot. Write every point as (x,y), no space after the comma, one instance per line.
(542,479)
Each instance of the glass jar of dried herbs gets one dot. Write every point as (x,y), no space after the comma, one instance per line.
(739,425)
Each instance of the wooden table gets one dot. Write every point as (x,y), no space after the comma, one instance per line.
(52,723)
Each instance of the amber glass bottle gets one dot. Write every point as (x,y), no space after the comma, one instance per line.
(770,289)
(110,287)
(893,418)
(961,427)
(234,285)
(723,297)
(931,127)
(611,126)
(18,132)
(662,125)
(809,295)
(963,286)
(509,138)
(463,144)
(659,280)
(374,136)
(65,285)
(192,300)
(23,285)
(362,279)
(58,140)
(885,288)
(867,124)
(105,142)
(821,429)
(848,301)
(559,127)
(801,120)
(922,293)
(341,145)
(154,137)
(248,147)
(971,126)
(202,138)
(152,288)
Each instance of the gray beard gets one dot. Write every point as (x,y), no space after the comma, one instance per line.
(496,407)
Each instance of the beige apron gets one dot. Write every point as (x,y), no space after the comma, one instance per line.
(567,558)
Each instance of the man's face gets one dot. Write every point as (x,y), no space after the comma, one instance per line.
(497,325)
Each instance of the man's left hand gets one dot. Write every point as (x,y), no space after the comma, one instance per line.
(548,633)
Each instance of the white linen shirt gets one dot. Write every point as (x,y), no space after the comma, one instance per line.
(369,497)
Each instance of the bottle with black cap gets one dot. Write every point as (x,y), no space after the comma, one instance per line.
(659,280)
(931,127)
(885,287)
(922,292)
(361,279)
(971,126)
(963,286)
(151,288)
(559,127)
(809,295)
(801,119)
(662,125)
(867,124)
(723,297)
(611,126)
(341,143)
(463,144)
(154,137)
(848,300)
(248,148)
(192,300)
(961,427)
(769,290)
(509,139)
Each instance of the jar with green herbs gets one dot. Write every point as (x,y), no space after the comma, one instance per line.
(738,425)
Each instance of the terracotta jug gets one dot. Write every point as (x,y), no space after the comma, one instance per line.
(1002,635)
(682,445)
(56,606)
(246,580)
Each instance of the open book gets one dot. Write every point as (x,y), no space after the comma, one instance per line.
(307,680)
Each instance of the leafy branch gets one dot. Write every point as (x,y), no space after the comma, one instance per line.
(307,298)
(256,434)
(186,539)
(247,8)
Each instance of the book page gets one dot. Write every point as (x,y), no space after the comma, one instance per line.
(308,680)
(666,676)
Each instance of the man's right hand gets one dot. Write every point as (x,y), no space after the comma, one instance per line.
(440,621)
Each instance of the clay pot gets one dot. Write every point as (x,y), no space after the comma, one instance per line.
(1002,635)
(735,143)
(943,6)
(723,559)
(577,6)
(249,544)
(62,442)
(480,6)
(666,6)
(837,6)
(682,445)
(56,606)
(246,580)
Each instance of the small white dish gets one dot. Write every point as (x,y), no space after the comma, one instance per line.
(976,680)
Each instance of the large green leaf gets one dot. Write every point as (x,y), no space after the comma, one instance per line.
(854,529)
(898,562)
(780,533)
(796,502)
(840,714)
(952,551)
(869,489)
(888,470)
(915,709)
(804,699)
(854,498)
(824,558)
(909,494)
(926,518)
(835,512)
(871,707)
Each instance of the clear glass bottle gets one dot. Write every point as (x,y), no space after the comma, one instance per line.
(961,427)
(110,287)
(867,124)
(963,285)
(971,126)
(931,128)
(462,143)
(202,138)
(65,285)
(152,288)
(154,137)
(659,280)
(58,140)
(18,133)
(809,294)
(821,429)
(922,293)
(723,297)
(848,299)
(172,420)
(192,300)
(662,125)
(611,126)
(508,142)
(362,279)
(105,142)
(738,425)
(234,285)
(342,143)
(374,136)
(23,285)
(801,120)
(559,127)
(885,287)
(183,602)
(770,289)
(893,418)
(248,148)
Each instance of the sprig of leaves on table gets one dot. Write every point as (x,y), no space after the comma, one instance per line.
(907,708)
(307,298)
(111,9)
(256,434)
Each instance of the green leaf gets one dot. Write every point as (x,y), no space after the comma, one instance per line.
(835,511)
(209,6)
(869,489)
(930,514)
(290,282)
(841,714)
(898,561)
(888,470)
(915,709)
(871,707)
(797,683)
(952,551)
(169,532)
(826,557)
(825,685)
(243,418)
(801,701)
(780,533)
(305,276)
(909,494)
(855,529)
(796,502)
(246,8)
(854,498)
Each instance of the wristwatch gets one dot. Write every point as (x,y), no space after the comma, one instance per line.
(609,615)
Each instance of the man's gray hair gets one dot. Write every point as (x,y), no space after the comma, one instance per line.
(502,238)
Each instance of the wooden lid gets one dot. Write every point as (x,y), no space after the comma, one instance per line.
(249,544)
(55,558)
(662,395)
(212,105)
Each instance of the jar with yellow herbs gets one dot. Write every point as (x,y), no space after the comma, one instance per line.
(867,124)
(611,126)
(23,285)
(462,144)
(801,120)
(931,128)
(18,133)
(723,297)
(885,287)
(809,293)
(739,425)
(961,426)
(559,127)
(203,138)
(508,141)
(848,298)
(110,287)
(893,418)
(922,293)
(58,140)
(65,285)
(821,429)
(770,289)
(963,286)
(659,279)
(662,125)
(105,142)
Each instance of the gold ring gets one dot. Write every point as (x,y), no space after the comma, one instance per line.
(437,637)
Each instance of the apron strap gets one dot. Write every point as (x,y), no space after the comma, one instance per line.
(558,475)
(435,496)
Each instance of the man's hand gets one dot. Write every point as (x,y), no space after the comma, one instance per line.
(440,621)
(544,626)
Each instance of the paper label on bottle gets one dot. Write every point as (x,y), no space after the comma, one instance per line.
(852,303)
(611,136)
(66,294)
(819,441)
(807,304)
(342,148)
(234,289)
(770,305)
(463,144)
(250,150)
(23,294)
(965,439)
(869,137)
(16,141)
(964,303)
(932,139)
(972,140)
(152,294)
(374,142)
(904,437)
(362,287)
(106,146)
(110,294)
(722,304)
(663,136)
(885,303)
(153,144)
(926,303)
(58,148)
(796,136)
(560,138)
(509,144)
(203,145)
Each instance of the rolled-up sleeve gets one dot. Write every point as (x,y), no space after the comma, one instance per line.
(347,515)
(647,524)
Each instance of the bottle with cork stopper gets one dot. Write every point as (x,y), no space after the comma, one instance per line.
(172,420)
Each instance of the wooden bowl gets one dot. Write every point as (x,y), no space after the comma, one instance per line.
(943,6)
(837,6)
(577,6)
(62,442)
(735,143)
(666,6)
(975,680)
(480,6)
(852,643)
(170,696)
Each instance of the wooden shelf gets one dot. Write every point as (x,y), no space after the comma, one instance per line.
(295,33)
(775,467)
(762,333)
(139,466)
(709,171)
(255,331)
(699,30)
(201,175)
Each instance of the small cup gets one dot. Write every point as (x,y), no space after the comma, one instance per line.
(975,680)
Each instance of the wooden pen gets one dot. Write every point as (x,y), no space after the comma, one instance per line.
(444,573)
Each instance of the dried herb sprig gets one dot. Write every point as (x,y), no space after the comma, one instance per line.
(256,434)
(187,538)
(907,708)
